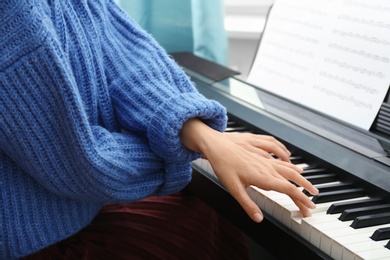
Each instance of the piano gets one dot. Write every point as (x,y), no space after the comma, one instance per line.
(350,166)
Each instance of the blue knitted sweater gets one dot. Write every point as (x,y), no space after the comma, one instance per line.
(90,111)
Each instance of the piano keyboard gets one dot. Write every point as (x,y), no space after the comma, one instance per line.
(347,223)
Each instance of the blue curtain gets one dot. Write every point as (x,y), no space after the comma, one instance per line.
(195,26)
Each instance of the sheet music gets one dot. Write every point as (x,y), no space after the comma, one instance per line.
(330,55)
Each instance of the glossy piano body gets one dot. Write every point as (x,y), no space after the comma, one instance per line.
(354,155)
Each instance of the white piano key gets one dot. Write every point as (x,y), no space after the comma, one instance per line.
(296,224)
(256,196)
(313,221)
(260,199)
(376,254)
(348,236)
(290,215)
(336,239)
(317,231)
(289,211)
(285,209)
(302,165)
(328,236)
(273,202)
(312,227)
(358,249)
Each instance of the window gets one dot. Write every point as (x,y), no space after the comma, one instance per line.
(245,18)
(247,7)
(244,23)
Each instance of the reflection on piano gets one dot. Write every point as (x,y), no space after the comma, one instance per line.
(351,168)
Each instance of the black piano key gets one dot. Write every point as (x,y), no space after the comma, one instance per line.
(296,159)
(388,245)
(231,123)
(338,195)
(371,220)
(236,129)
(314,171)
(350,214)
(381,234)
(321,178)
(332,187)
(339,207)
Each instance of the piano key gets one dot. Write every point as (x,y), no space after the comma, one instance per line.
(316,230)
(371,220)
(291,211)
(231,123)
(321,178)
(314,171)
(290,217)
(350,214)
(282,208)
(235,129)
(339,207)
(364,250)
(388,245)
(338,195)
(273,202)
(313,227)
(335,241)
(302,165)
(260,196)
(271,198)
(297,159)
(372,255)
(381,234)
(332,187)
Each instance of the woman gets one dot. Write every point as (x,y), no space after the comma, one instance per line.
(95,116)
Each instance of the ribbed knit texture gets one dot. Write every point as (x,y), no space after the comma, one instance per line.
(90,111)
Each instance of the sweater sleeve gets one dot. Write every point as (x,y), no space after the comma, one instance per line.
(151,94)
(46,131)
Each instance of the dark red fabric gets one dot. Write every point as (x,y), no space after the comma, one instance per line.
(177,226)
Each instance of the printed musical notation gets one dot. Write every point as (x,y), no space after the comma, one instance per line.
(330,55)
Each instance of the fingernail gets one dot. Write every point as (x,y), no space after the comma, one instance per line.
(258,217)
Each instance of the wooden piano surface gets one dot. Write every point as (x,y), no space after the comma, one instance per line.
(365,167)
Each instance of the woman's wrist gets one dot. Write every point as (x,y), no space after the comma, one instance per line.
(197,136)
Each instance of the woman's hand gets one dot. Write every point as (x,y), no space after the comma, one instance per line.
(263,145)
(238,166)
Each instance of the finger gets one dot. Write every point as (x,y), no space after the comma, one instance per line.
(272,145)
(301,200)
(251,209)
(260,152)
(296,169)
(305,211)
(288,170)
(295,193)
(290,174)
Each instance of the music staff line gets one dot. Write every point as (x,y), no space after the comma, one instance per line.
(344,97)
(365,5)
